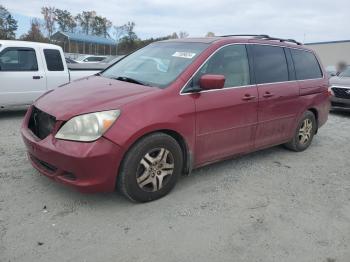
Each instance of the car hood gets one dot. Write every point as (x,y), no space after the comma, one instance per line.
(341,81)
(88,95)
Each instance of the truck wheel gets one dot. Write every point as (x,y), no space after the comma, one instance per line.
(150,168)
(304,133)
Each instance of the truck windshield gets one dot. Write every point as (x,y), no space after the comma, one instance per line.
(157,64)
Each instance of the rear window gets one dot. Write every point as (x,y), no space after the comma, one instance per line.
(18,59)
(306,65)
(270,64)
(53,60)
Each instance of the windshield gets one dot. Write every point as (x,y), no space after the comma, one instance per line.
(345,73)
(157,64)
(80,58)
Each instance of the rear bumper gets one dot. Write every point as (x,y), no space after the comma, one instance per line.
(88,167)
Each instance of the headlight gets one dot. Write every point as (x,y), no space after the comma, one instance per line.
(88,127)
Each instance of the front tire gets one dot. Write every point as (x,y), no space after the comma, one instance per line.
(304,133)
(150,168)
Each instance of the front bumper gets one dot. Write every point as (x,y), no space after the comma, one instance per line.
(88,167)
(340,103)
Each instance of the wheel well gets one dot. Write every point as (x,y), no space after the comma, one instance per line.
(314,111)
(187,167)
(186,153)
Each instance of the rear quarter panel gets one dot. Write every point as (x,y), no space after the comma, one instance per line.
(315,96)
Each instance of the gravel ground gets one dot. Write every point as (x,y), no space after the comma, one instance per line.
(272,205)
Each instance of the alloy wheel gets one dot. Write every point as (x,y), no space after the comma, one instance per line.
(305,131)
(155,169)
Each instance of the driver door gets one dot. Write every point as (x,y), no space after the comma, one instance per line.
(22,76)
(226,119)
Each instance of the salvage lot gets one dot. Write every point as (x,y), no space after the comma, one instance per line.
(272,205)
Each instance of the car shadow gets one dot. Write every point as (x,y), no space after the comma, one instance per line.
(68,194)
(101,201)
(239,162)
(340,113)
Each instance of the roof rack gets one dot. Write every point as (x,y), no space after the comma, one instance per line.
(267,37)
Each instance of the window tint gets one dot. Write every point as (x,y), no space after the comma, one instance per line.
(230,61)
(53,60)
(306,65)
(18,59)
(100,59)
(94,59)
(270,64)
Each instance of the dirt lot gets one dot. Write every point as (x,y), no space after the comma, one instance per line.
(273,205)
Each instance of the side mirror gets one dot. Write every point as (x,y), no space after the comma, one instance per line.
(209,82)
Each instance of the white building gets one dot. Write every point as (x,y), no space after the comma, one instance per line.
(333,52)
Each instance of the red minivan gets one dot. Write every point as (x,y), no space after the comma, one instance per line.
(173,106)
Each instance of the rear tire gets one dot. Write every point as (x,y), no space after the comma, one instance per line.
(304,133)
(150,168)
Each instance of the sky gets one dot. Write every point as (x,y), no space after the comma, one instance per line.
(303,20)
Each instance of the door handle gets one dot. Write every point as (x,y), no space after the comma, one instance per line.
(248,97)
(267,95)
(37,77)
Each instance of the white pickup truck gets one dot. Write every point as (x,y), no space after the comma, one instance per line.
(27,70)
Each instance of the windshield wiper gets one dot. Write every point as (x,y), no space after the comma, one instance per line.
(130,80)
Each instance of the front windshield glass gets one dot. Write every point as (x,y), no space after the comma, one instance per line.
(157,64)
(80,58)
(345,73)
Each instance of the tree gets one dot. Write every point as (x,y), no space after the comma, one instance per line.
(130,41)
(100,26)
(210,34)
(49,19)
(174,36)
(85,20)
(65,20)
(34,34)
(8,25)
(118,32)
(183,34)
(129,28)
(125,46)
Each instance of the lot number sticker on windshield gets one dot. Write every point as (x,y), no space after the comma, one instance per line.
(187,55)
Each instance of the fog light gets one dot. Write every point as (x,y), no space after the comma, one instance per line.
(69,176)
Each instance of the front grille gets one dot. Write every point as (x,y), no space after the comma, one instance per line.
(341,92)
(41,123)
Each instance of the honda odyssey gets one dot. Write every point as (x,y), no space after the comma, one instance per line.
(173,106)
